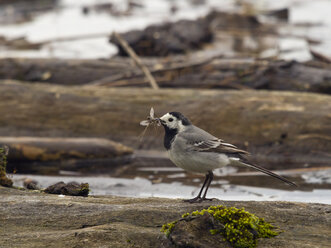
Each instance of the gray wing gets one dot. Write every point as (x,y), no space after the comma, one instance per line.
(199,140)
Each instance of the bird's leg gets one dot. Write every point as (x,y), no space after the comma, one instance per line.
(211,177)
(198,197)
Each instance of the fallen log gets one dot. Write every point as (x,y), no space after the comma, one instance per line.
(234,74)
(59,71)
(293,126)
(206,73)
(50,155)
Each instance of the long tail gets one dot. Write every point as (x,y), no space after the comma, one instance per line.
(268,172)
(244,161)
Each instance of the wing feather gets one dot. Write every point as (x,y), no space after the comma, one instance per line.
(217,146)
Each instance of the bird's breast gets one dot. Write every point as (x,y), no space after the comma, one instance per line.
(198,162)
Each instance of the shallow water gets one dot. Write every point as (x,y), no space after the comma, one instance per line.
(172,182)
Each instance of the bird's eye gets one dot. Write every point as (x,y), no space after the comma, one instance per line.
(170,119)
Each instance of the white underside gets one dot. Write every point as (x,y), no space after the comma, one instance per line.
(199,162)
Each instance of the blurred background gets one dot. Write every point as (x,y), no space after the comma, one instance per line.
(254,73)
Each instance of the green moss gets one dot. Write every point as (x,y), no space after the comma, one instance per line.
(4,180)
(185,215)
(84,189)
(3,160)
(167,228)
(240,228)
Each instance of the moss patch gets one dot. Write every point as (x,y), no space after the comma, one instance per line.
(167,228)
(236,226)
(4,180)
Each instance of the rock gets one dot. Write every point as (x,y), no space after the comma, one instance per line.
(195,234)
(279,128)
(30,184)
(4,180)
(219,226)
(167,39)
(55,188)
(34,219)
(76,189)
(72,188)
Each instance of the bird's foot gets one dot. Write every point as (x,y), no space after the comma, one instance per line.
(198,199)
(194,200)
(207,199)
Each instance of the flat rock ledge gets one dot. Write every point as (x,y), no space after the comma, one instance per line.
(33,219)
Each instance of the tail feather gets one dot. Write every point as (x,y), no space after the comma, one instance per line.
(268,172)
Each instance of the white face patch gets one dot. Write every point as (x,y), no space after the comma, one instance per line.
(173,122)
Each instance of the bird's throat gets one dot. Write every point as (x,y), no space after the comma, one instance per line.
(169,137)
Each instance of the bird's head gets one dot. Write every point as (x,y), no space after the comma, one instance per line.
(174,121)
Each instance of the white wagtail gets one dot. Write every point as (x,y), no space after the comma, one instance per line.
(195,150)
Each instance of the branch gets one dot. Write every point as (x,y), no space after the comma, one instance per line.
(137,60)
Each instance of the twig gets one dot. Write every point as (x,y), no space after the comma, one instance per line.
(320,56)
(137,60)
(113,78)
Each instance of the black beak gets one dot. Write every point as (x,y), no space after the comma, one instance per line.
(161,121)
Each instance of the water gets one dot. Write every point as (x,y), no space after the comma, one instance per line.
(172,182)
(68,20)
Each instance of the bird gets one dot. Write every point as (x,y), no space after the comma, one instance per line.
(195,150)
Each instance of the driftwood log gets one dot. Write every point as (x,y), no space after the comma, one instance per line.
(53,154)
(67,72)
(180,72)
(296,126)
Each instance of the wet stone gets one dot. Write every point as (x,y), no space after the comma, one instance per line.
(4,180)
(72,188)
(195,233)
(30,184)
